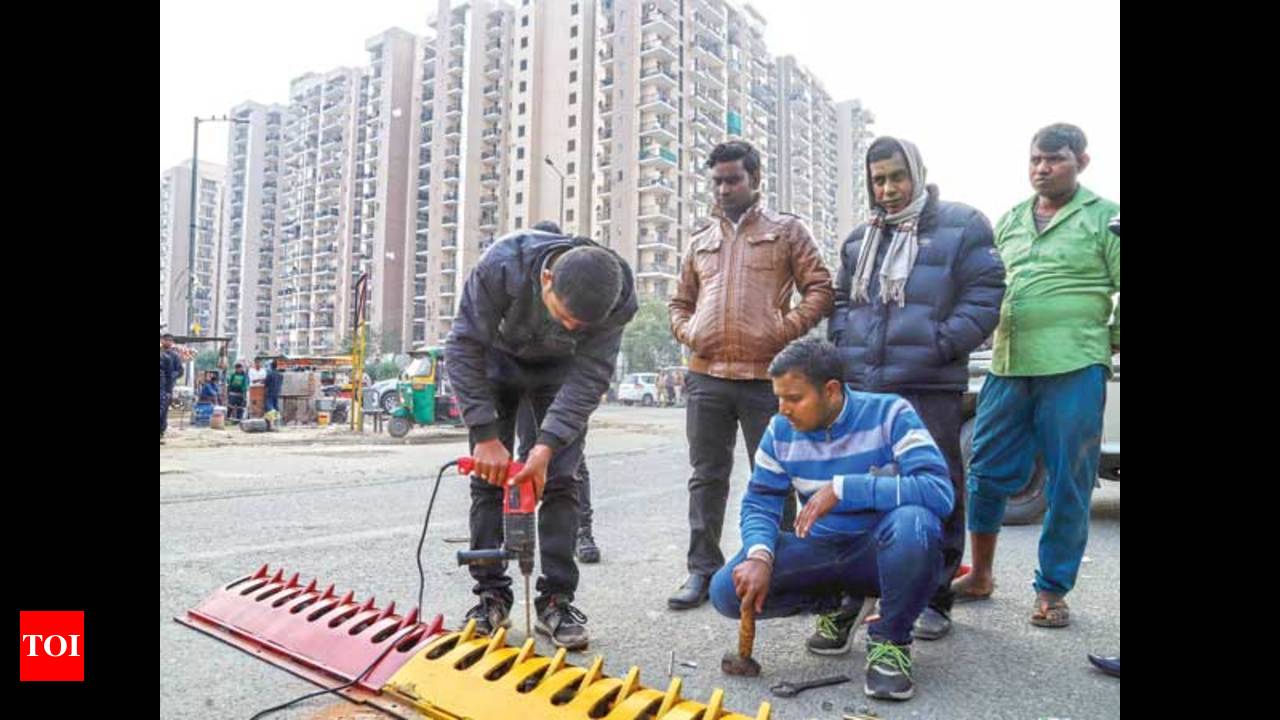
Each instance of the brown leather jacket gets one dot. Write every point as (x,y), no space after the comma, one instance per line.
(733,304)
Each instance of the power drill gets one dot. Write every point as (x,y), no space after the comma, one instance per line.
(519,531)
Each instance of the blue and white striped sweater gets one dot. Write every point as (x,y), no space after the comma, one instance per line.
(873,430)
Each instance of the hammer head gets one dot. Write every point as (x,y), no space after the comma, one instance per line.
(734,664)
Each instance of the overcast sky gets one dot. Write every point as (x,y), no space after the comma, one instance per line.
(969,82)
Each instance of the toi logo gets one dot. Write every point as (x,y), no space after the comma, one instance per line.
(51,645)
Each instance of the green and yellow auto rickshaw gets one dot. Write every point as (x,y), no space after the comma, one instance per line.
(424,394)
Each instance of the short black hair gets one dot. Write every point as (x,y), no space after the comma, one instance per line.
(1059,135)
(547,226)
(588,281)
(737,150)
(814,358)
(884,148)
(167,336)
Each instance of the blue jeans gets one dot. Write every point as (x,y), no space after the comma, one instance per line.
(898,561)
(271,403)
(1060,418)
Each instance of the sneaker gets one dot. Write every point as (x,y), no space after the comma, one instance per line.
(492,612)
(562,622)
(586,549)
(931,625)
(834,635)
(888,671)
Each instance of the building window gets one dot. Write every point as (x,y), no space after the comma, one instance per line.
(569,169)
(573,144)
(519,222)
(568,215)
(520,153)
(573,31)
(573,120)
(524,21)
(520,131)
(524,64)
(573,76)
(573,98)
(524,42)
(523,85)
(573,53)
(568,192)
(521,108)
(519,198)
(519,175)
(574,9)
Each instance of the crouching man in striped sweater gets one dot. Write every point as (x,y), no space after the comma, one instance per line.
(875,491)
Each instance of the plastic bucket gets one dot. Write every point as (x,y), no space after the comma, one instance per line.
(322,418)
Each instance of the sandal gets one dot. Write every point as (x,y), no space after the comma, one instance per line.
(963,596)
(1053,614)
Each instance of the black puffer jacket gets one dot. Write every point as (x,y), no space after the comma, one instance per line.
(952,304)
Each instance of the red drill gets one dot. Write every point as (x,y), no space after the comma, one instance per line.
(519,530)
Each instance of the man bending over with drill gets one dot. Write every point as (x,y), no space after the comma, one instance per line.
(875,491)
(540,324)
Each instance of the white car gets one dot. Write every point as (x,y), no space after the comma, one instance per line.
(639,388)
(1028,505)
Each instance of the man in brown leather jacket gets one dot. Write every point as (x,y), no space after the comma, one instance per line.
(733,309)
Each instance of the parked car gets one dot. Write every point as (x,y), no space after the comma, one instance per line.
(385,395)
(639,388)
(1027,506)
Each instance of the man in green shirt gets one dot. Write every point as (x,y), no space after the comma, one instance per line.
(1050,363)
(237,386)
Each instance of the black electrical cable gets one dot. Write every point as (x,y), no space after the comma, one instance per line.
(422,584)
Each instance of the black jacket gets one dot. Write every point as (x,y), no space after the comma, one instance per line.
(170,369)
(952,304)
(273,383)
(502,310)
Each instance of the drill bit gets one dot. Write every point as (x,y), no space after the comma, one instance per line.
(528,624)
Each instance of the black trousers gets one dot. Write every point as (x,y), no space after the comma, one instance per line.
(714,409)
(164,410)
(527,432)
(942,413)
(514,384)
(235,405)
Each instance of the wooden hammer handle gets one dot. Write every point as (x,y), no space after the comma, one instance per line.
(746,631)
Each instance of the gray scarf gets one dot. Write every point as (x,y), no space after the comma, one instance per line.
(901,255)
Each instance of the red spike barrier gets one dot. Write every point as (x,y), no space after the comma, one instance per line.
(311,632)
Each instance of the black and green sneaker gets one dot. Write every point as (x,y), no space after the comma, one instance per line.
(888,671)
(834,635)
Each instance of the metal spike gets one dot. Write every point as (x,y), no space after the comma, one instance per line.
(671,698)
(629,683)
(499,640)
(594,672)
(715,706)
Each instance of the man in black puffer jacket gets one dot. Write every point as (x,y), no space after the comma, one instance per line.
(919,288)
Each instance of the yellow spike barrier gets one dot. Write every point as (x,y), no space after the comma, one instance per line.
(463,676)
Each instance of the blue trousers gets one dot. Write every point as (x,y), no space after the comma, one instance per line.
(898,561)
(1058,417)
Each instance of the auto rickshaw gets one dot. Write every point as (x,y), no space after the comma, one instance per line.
(424,396)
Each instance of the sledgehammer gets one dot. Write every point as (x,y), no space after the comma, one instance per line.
(741,662)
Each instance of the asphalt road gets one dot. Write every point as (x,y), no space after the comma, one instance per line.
(351,515)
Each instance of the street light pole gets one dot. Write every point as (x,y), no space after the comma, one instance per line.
(561,175)
(191,209)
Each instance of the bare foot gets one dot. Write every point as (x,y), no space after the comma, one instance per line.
(973,587)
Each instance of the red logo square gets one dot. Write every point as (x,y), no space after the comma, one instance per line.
(51,645)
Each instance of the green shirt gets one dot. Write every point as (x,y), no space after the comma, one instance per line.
(1057,311)
(238,382)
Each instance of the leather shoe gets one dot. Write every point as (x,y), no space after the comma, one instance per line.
(691,594)
(1108,665)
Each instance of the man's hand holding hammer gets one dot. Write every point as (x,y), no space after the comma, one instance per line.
(751,580)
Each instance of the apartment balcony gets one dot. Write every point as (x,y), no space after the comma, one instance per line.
(449,241)
(455,88)
(455,66)
(451,176)
(493,111)
(657,102)
(492,91)
(659,22)
(656,241)
(606,55)
(453,131)
(604,191)
(450,199)
(712,102)
(605,107)
(709,49)
(657,50)
(658,77)
(608,28)
(657,214)
(604,161)
(489,201)
(493,48)
(708,73)
(453,110)
(657,270)
(488,222)
(658,130)
(453,152)
(493,70)
(489,157)
(657,186)
(658,156)
(605,134)
(606,82)
(449,221)
(490,179)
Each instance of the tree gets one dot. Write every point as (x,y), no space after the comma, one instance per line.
(206,360)
(647,341)
(384,370)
